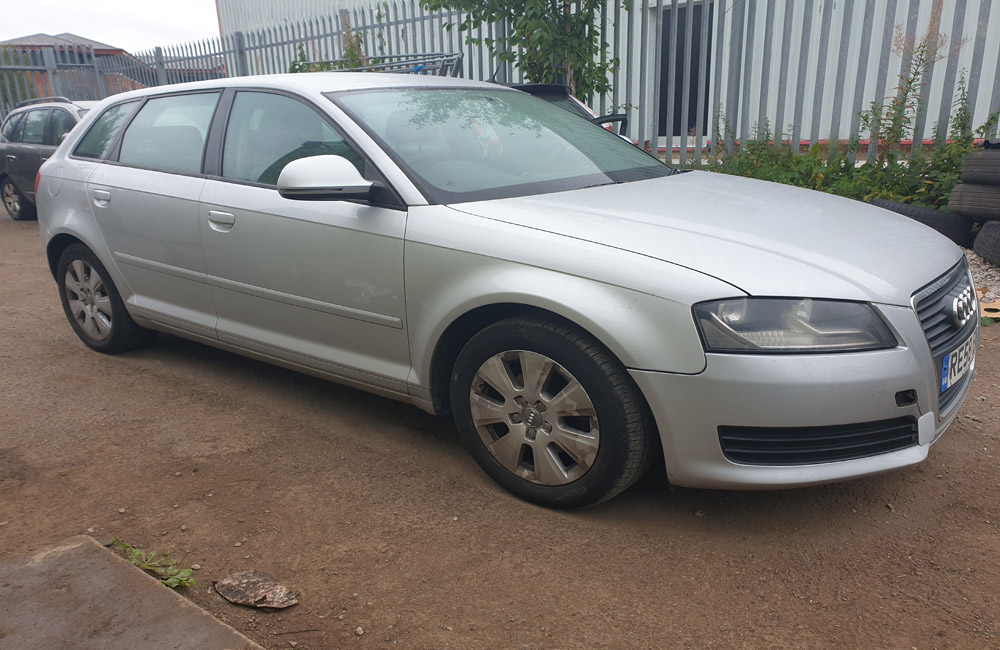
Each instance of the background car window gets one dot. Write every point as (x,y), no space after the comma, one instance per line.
(168,133)
(60,124)
(11,130)
(98,140)
(34,127)
(267,131)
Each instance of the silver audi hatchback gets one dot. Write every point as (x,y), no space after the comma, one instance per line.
(580,308)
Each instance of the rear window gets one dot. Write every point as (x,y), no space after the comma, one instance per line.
(101,136)
(34,127)
(168,133)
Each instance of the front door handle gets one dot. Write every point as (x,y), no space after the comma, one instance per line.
(221,221)
(11,156)
(101,198)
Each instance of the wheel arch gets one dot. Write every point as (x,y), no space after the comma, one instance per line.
(463,328)
(54,249)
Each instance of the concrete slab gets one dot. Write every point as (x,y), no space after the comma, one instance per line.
(78,595)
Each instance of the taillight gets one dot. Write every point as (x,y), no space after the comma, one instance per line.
(38,179)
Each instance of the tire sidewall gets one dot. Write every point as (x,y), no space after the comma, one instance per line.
(118,312)
(613,421)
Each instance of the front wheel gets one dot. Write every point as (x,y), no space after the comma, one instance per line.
(549,413)
(93,306)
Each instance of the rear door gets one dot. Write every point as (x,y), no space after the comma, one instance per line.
(145,198)
(318,283)
(24,156)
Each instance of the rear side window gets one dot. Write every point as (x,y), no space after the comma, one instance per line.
(60,124)
(11,130)
(168,133)
(98,140)
(34,127)
(268,131)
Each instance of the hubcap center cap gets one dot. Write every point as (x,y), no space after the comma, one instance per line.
(532,417)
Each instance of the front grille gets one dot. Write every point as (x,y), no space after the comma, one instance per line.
(933,305)
(812,445)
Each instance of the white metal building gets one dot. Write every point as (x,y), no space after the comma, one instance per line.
(805,67)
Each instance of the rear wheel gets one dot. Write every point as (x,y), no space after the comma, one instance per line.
(549,413)
(93,306)
(14,202)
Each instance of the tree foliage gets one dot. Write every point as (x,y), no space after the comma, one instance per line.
(551,41)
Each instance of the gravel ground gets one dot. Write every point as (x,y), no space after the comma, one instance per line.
(393,537)
(985,274)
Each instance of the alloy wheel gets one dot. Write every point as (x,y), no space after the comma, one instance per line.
(88,300)
(534,417)
(11,200)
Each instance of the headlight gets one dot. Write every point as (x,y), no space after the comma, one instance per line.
(776,325)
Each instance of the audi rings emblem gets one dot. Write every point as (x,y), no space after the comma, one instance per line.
(962,308)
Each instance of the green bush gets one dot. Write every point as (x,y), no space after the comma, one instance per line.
(925,177)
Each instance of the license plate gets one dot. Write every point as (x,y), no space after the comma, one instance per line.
(957,363)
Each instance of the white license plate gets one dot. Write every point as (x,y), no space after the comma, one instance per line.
(957,363)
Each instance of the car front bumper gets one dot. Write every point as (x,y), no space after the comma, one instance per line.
(775,393)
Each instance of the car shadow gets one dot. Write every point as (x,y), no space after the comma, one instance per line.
(651,503)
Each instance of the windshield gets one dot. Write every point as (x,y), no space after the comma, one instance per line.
(475,144)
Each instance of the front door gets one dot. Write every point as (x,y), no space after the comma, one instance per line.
(316,283)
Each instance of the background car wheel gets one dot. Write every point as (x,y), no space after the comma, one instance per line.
(988,242)
(953,226)
(15,204)
(93,306)
(550,414)
(982,167)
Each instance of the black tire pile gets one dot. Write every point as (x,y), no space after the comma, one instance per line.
(977,197)
(976,200)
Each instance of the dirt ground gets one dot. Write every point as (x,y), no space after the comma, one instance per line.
(374,512)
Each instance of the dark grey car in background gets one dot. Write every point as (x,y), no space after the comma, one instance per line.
(29,135)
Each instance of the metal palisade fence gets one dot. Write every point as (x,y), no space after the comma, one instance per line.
(685,71)
(30,72)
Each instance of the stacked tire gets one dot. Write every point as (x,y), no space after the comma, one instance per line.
(978,198)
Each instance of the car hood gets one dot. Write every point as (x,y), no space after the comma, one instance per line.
(762,238)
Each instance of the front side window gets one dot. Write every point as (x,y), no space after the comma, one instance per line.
(34,127)
(12,130)
(477,144)
(101,136)
(168,133)
(60,124)
(267,131)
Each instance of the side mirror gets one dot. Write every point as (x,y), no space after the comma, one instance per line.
(322,178)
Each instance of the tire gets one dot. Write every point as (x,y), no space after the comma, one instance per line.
(550,414)
(953,226)
(980,202)
(93,306)
(982,167)
(988,242)
(14,202)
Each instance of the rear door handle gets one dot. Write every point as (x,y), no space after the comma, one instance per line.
(221,221)
(101,197)
(11,156)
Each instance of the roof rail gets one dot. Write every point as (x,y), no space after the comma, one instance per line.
(43,100)
(435,63)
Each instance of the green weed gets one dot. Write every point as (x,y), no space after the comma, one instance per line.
(156,563)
